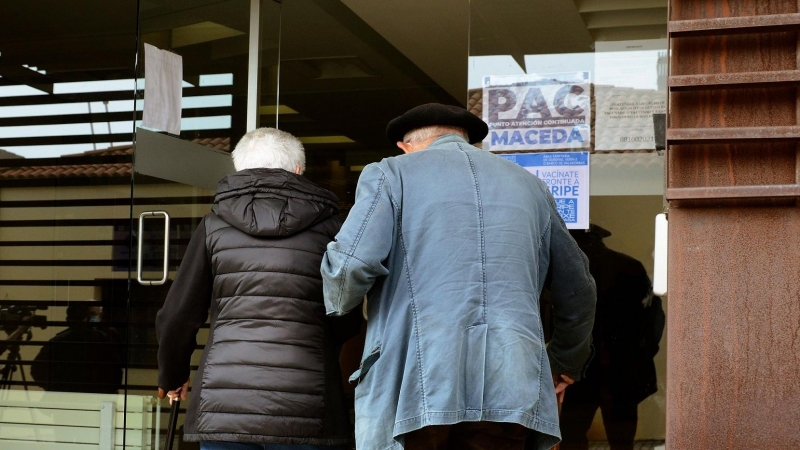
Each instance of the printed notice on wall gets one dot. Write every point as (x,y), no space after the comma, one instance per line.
(625,118)
(630,86)
(537,111)
(566,174)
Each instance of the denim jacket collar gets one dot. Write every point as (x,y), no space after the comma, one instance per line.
(446,139)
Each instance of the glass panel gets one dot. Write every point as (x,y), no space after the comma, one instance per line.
(67,82)
(339,105)
(211,37)
(66,110)
(346,72)
(178,174)
(522,81)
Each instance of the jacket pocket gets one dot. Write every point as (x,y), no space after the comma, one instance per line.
(366,364)
(475,366)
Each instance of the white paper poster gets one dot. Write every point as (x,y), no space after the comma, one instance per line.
(537,111)
(163,83)
(630,86)
(624,118)
(567,176)
(640,64)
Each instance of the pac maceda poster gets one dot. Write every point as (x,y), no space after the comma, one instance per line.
(537,111)
(566,175)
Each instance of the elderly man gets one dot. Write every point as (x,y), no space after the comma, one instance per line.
(453,246)
(269,378)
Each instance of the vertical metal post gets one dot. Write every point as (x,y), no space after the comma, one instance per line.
(254,65)
(797,108)
(146,408)
(278,87)
(158,423)
(108,412)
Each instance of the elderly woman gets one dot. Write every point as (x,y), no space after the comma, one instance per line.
(269,377)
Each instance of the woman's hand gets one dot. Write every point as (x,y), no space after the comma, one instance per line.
(561,382)
(176,393)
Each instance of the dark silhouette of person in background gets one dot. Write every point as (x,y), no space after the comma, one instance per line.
(15,334)
(628,327)
(10,364)
(83,358)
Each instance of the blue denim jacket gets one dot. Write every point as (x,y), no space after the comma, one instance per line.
(453,245)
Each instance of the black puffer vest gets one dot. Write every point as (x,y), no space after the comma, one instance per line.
(270,371)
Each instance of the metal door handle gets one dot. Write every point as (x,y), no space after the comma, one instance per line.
(166,249)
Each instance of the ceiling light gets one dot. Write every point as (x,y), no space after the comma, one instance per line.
(328,68)
(216,79)
(271,110)
(201,32)
(326,140)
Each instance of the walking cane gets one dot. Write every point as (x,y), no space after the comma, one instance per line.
(173,423)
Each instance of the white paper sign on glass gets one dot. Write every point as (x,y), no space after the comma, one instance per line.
(566,174)
(630,87)
(624,119)
(537,111)
(163,83)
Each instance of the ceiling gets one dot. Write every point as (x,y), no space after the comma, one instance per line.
(438,36)
(435,36)
(346,67)
(614,20)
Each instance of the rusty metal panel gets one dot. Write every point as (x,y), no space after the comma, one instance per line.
(732,164)
(762,134)
(733,179)
(734,54)
(743,80)
(734,25)
(730,10)
(734,329)
(734,192)
(725,108)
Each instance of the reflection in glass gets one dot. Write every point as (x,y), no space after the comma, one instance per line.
(629,322)
(65,102)
(66,124)
(86,357)
(342,81)
(622,46)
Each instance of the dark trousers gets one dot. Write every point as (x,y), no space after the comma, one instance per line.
(580,405)
(211,445)
(468,436)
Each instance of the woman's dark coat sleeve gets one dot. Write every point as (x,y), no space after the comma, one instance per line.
(185,310)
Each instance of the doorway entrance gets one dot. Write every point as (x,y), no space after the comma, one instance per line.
(81,277)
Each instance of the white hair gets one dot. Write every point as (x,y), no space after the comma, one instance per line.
(422,134)
(269,148)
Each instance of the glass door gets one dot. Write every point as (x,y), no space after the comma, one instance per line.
(329,74)
(66,124)
(623,62)
(78,347)
(175,175)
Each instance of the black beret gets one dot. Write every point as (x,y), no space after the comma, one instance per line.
(436,114)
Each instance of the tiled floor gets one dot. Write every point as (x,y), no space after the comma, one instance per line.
(641,445)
